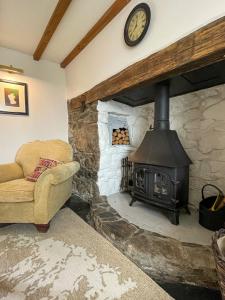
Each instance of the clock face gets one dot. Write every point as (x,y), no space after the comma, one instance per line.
(137,24)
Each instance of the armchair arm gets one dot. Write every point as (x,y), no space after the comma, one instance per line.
(60,173)
(10,172)
(48,186)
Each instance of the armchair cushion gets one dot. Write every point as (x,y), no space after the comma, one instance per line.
(19,190)
(10,172)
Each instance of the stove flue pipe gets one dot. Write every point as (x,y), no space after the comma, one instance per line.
(162,106)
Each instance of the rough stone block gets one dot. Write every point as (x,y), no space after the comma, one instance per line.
(119,231)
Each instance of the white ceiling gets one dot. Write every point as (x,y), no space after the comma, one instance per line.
(22,23)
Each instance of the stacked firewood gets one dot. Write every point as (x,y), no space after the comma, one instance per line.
(120,136)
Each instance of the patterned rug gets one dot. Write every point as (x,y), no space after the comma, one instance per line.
(71,261)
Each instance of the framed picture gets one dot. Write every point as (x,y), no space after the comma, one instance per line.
(13,98)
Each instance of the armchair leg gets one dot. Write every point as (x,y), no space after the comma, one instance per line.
(42,227)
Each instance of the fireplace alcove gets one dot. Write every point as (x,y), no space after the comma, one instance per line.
(174,260)
(159,255)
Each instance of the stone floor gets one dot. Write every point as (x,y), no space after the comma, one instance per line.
(150,218)
(80,207)
(177,291)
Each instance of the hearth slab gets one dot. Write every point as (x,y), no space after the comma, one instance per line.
(153,219)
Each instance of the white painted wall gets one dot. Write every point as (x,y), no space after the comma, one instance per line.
(138,120)
(47,104)
(107,54)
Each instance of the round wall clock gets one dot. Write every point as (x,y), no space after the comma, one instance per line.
(137,24)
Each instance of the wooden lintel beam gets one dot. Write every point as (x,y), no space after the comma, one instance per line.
(114,9)
(53,23)
(200,48)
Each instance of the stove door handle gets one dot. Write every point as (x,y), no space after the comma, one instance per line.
(175,182)
(175,201)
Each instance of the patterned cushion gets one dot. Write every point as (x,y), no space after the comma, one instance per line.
(48,163)
(44,164)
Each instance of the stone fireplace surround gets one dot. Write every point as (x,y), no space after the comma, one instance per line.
(199,120)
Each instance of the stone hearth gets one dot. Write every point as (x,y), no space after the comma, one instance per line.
(162,258)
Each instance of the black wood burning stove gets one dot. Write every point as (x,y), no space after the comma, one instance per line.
(161,166)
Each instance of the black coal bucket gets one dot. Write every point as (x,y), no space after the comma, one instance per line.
(212,220)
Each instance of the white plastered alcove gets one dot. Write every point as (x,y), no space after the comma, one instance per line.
(138,120)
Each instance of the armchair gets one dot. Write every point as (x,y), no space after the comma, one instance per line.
(23,201)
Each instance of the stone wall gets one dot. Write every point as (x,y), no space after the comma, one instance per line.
(199,119)
(83,136)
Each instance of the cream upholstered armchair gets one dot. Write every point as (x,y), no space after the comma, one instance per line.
(23,201)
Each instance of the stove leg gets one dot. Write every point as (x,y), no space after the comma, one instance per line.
(187,210)
(174,217)
(131,202)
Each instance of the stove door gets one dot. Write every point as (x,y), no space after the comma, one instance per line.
(141,181)
(161,188)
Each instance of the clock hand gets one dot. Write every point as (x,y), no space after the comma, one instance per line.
(139,26)
(134,27)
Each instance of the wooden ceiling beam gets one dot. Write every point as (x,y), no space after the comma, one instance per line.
(114,9)
(200,48)
(53,23)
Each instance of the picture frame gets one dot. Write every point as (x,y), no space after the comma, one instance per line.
(13,97)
